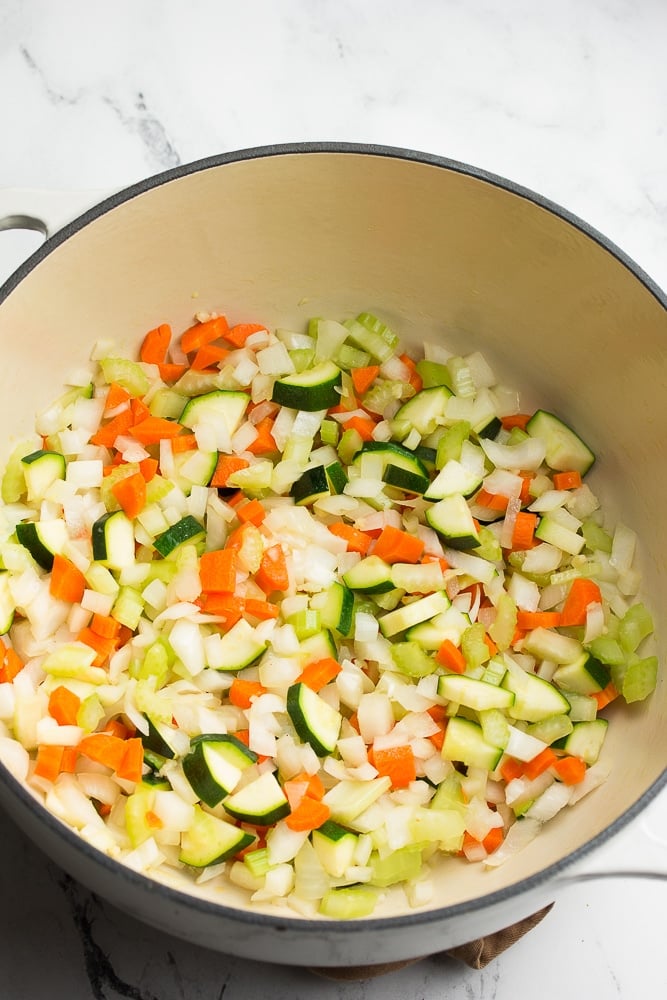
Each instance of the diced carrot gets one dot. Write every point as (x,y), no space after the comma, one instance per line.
(155,345)
(437,739)
(252,511)
(542,762)
(364,427)
(208,356)
(11,664)
(569,480)
(107,434)
(49,760)
(182,443)
(67,582)
(511,769)
(227,464)
(318,673)
(132,762)
(606,696)
(354,721)
(490,644)
(363,378)
(264,442)
(105,626)
(357,541)
(263,610)
(415,379)
(69,759)
(153,820)
(116,396)
(310,814)
(493,839)
(225,606)
(570,770)
(139,410)
(243,736)
(130,492)
(272,574)
(526,480)
(397,763)
(515,420)
(582,593)
(494,501)
(524,530)
(438,713)
(152,430)
(203,333)
(103,647)
(243,691)
(117,728)
(395,545)
(238,334)
(170,372)
(529,620)
(64,706)
(148,468)
(217,571)
(313,782)
(450,656)
(104,749)
(236,498)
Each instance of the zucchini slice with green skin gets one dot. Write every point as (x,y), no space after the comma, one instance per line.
(475,694)
(316,722)
(194,468)
(188,529)
(156,740)
(534,698)
(313,389)
(310,486)
(465,742)
(237,648)
(43,539)
(223,406)
(211,840)
(335,847)
(7,605)
(41,469)
(113,540)
(407,615)
(399,466)
(585,676)
(370,575)
(336,606)
(452,520)
(215,764)
(425,411)
(260,802)
(564,448)
(585,740)
(318,646)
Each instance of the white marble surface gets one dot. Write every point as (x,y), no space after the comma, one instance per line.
(568,98)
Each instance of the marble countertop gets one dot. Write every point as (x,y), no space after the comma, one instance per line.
(566,98)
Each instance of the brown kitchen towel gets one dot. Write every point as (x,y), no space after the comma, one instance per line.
(476,953)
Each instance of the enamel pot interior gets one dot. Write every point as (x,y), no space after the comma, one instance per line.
(440,252)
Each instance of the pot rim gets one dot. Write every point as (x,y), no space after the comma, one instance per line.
(206,906)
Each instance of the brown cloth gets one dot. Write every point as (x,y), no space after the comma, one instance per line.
(476,953)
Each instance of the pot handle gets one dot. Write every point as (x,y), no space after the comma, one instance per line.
(638,850)
(43,211)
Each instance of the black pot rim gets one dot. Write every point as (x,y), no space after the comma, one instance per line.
(206,907)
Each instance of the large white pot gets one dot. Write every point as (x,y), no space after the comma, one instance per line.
(437,249)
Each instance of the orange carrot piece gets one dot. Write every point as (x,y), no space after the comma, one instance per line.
(606,696)
(116,396)
(253,511)
(524,530)
(67,582)
(529,620)
(437,739)
(511,769)
(107,434)
(310,814)
(130,493)
(582,593)
(569,480)
(49,760)
(184,442)
(415,379)
(139,410)
(318,673)
(570,770)
(493,839)
(227,464)
(395,545)
(208,356)
(272,574)
(238,334)
(103,749)
(542,762)
(155,345)
(364,427)
(64,706)
(363,378)
(242,692)
(357,541)
(103,647)
(105,626)
(152,430)
(203,333)
(524,496)
(490,644)
(117,728)
(132,762)
(264,442)
(153,820)
(494,501)
(217,571)
(515,420)
(148,468)
(69,759)
(170,372)
(11,665)
(315,787)
(263,610)
(450,656)
(396,763)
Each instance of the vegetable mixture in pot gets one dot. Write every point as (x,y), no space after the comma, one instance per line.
(299,612)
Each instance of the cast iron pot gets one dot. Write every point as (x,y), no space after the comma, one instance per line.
(438,250)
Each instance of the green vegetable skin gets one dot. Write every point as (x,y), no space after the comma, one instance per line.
(224,684)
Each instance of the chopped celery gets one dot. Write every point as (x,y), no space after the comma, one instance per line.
(473,647)
(349,902)
(635,626)
(350,443)
(638,679)
(489,546)
(597,539)
(167,403)
(13,479)
(349,357)
(432,373)
(330,432)
(495,727)
(607,650)
(128,374)
(257,861)
(405,863)
(503,627)
(412,660)
(305,623)
(451,442)
(128,607)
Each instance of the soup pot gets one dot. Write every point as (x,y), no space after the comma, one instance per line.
(441,251)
